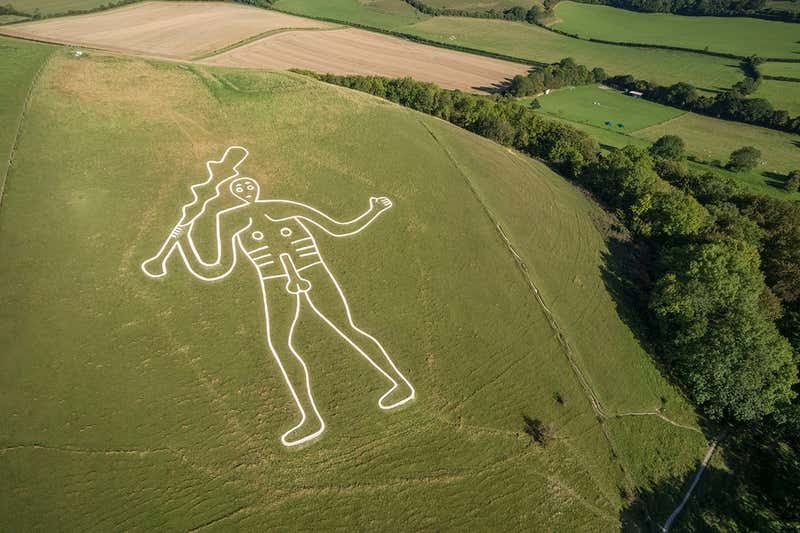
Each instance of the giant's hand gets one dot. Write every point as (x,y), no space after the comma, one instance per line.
(379,204)
(156,266)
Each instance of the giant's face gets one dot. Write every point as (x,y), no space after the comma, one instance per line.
(246,189)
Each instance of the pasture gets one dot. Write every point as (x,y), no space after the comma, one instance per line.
(595,106)
(177,30)
(384,14)
(354,51)
(781,94)
(53,7)
(708,139)
(538,44)
(731,35)
(152,404)
(479,5)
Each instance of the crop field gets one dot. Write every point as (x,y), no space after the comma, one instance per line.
(596,106)
(732,35)
(353,51)
(153,403)
(168,29)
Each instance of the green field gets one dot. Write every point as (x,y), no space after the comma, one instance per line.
(594,106)
(50,7)
(384,14)
(781,94)
(772,68)
(131,403)
(731,35)
(537,44)
(708,139)
(480,5)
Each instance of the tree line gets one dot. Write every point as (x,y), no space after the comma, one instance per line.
(732,104)
(554,76)
(717,8)
(717,273)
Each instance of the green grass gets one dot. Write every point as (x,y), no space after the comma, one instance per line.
(481,5)
(19,63)
(531,43)
(132,403)
(594,106)
(707,138)
(7,19)
(731,35)
(51,7)
(713,139)
(771,68)
(383,14)
(781,94)
(537,44)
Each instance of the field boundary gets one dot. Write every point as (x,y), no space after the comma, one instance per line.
(416,39)
(25,106)
(254,38)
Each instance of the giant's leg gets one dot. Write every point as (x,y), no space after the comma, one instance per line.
(282,311)
(327,299)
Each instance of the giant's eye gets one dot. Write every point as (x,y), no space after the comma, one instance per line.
(250,187)
(238,189)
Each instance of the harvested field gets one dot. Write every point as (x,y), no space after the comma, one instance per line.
(353,51)
(178,30)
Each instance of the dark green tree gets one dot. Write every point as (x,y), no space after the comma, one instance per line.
(668,147)
(744,158)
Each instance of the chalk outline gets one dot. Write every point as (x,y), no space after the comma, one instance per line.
(377,206)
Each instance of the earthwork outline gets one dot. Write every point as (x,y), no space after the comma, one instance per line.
(276,238)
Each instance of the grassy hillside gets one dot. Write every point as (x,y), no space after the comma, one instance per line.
(137,403)
(732,35)
(19,63)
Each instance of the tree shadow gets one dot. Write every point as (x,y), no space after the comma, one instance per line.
(758,492)
(773,179)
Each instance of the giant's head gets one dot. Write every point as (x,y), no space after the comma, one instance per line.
(246,189)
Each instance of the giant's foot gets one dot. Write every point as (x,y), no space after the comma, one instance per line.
(309,429)
(401,393)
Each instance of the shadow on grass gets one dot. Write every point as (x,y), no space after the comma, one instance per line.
(773,179)
(758,493)
(759,488)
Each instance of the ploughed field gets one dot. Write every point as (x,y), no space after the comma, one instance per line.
(241,36)
(138,403)
(354,51)
(178,30)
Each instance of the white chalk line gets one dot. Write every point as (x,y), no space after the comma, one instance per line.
(246,189)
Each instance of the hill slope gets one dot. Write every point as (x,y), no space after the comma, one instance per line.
(139,403)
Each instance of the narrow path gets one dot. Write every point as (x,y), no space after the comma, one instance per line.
(695,481)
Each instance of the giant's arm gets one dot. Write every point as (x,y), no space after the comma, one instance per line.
(278,210)
(182,243)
